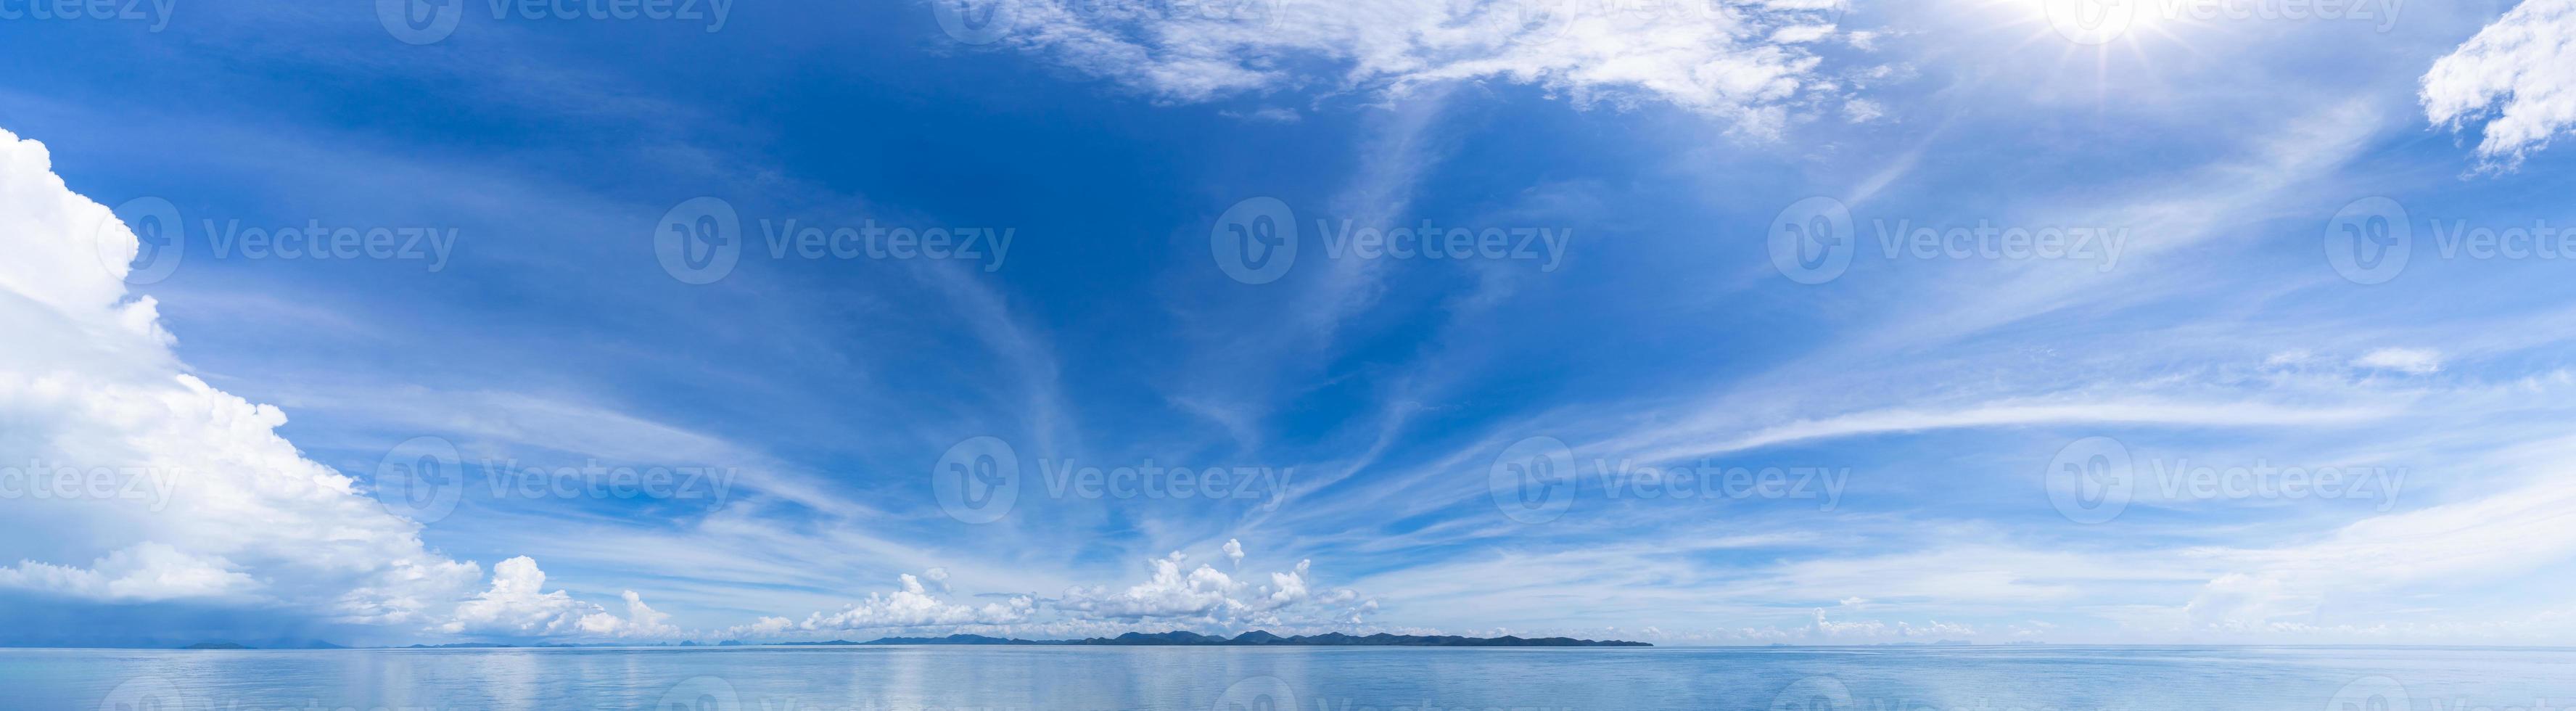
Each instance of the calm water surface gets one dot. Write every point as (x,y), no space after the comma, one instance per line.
(1302,679)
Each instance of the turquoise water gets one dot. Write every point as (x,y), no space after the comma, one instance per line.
(1302,679)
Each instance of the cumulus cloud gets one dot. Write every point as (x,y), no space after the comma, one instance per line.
(89,385)
(2518,75)
(1173,596)
(187,495)
(1208,596)
(517,605)
(1741,60)
(911,605)
(1819,626)
(144,572)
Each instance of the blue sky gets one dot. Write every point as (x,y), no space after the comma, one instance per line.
(1652,408)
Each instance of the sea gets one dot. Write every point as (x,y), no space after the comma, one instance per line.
(1020,678)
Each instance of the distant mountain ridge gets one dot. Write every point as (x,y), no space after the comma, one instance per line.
(1261,638)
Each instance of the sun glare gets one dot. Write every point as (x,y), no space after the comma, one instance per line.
(2108,37)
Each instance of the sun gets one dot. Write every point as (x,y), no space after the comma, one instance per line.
(2092,23)
(2106,32)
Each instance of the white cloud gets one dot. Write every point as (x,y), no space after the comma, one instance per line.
(2459,545)
(640,621)
(1740,60)
(2520,73)
(1863,111)
(2008,413)
(1874,629)
(517,605)
(2419,361)
(2288,358)
(235,516)
(1169,593)
(143,572)
(913,605)
(1204,594)
(88,382)
(1173,596)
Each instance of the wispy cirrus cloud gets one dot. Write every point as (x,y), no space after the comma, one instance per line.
(1746,62)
